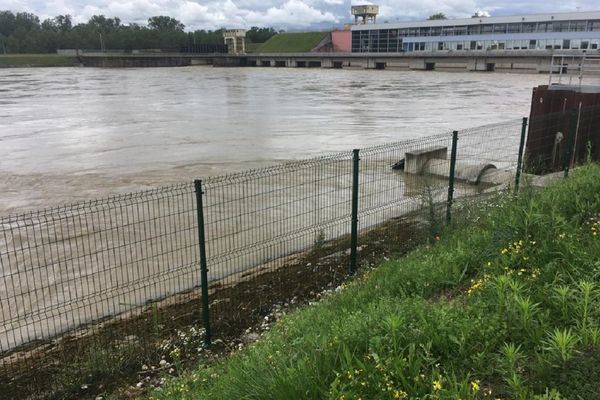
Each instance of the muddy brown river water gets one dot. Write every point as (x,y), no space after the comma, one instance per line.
(72,134)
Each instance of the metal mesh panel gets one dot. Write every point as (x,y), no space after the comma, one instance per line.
(386,193)
(68,267)
(259,227)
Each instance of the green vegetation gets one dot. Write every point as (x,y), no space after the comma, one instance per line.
(24,33)
(37,60)
(505,305)
(296,42)
(437,16)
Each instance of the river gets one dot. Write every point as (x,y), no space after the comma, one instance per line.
(70,134)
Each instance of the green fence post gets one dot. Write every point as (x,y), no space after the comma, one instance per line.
(354,228)
(570,142)
(520,158)
(451,177)
(203,264)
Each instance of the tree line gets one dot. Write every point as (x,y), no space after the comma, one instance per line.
(23,32)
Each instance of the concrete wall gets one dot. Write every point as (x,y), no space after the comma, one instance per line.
(505,61)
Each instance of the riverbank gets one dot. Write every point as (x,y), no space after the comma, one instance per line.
(37,60)
(505,305)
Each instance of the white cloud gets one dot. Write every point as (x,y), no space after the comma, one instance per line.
(287,14)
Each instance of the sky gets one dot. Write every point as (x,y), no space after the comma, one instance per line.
(282,14)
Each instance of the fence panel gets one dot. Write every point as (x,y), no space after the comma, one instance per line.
(65,269)
(389,194)
(264,226)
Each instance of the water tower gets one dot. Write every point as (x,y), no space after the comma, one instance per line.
(367,12)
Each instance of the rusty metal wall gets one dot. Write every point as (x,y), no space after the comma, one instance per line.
(563,122)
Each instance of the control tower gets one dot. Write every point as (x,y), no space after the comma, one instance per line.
(367,12)
(235,39)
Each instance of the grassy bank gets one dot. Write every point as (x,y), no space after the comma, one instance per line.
(37,60)
(296,42)
(505,305)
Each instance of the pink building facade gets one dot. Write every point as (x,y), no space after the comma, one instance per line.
(342,41)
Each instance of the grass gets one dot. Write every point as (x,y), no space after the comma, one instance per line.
(297,42)
(37,60)
(504,306)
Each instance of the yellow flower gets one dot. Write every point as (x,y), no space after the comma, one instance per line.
(437,385)
(399,394)
(475,385)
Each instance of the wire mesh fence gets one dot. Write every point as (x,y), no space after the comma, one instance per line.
(93,291)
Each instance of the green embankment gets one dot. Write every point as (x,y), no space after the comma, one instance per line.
(297,42)
(505,306)
(37,60)
(253,47)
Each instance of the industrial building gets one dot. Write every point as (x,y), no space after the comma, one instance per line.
(557,31)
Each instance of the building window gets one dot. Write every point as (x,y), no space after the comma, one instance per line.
(459,46)
(460,30)
(500,28)
(529,27)
(560,26)
(532,44)
(448,31)
(579,26)
(514,28)
(424,31)
(487,28)
(566,44)
(473,45)
(474,30)
(585,45)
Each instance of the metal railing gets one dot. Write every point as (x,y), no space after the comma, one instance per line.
(572,69)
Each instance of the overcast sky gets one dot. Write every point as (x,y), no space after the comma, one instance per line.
(282,14)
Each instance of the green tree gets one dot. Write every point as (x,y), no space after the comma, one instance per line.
(7,23)
(26,22)
(260,35)
(3,49)
(164,23)
(437,16)
(103,24)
